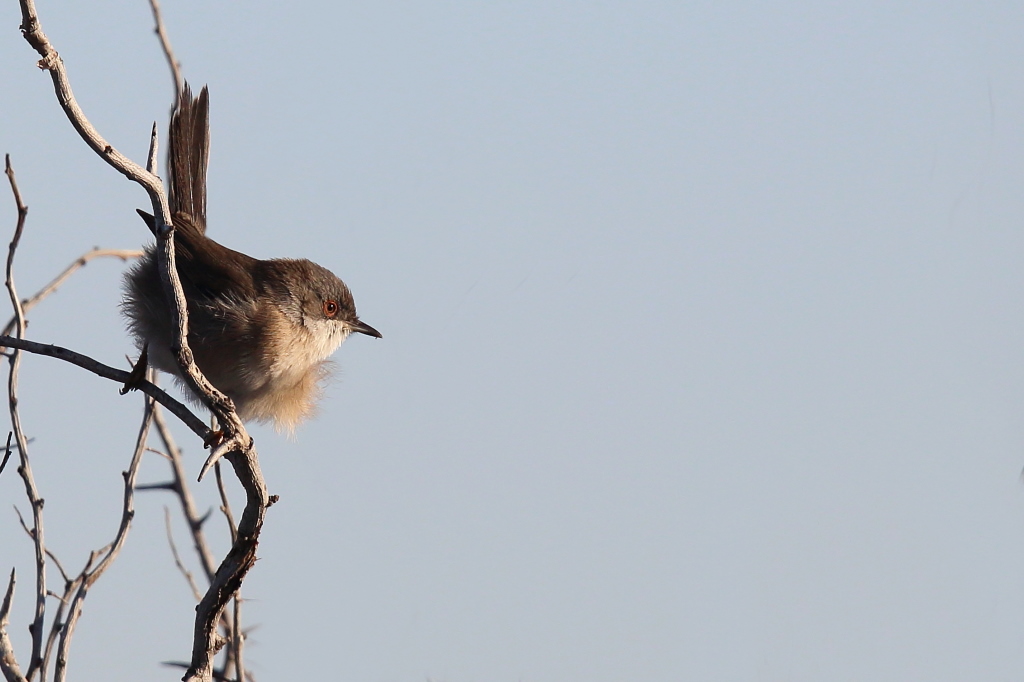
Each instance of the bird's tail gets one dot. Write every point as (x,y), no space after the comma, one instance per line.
(188,156)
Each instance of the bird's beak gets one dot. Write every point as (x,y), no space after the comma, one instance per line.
(363,328)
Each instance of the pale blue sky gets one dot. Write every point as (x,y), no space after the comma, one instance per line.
(703,323)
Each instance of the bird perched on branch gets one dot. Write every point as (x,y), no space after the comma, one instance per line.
(260,330)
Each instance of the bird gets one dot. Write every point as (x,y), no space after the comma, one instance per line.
(261,331)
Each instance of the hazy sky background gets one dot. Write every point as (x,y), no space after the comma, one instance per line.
(703,350)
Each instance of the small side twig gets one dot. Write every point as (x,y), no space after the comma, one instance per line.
(50,555)
(7,451)
(225,506)
(165,43)
(177,558)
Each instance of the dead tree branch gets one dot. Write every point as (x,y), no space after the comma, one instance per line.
(36,628)
(237,447)
(176,408)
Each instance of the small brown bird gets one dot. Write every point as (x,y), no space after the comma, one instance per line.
(260,330)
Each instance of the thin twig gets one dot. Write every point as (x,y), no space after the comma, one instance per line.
(177,558)
(36,628)
(165,43)
(225,506)
(7,451)
(81,261)
(24,526)
(31,535)
(159,453)
(56,562)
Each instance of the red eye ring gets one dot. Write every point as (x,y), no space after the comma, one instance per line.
(330,307)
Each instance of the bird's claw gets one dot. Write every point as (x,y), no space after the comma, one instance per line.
(138,373)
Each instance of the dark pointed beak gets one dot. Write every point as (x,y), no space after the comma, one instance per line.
(363,328)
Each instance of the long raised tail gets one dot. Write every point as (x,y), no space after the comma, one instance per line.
(188,156)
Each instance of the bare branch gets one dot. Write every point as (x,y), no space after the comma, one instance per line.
(39,662)
(24,526)
(238,639)
(176,408)
(31,534)
(36,628)
(225,506)
(177,558)
(159,453)
(7,451)
(234,626)
(60,567)
(165,43)
(58,623)
(5,608)
(22,208)
(8,663)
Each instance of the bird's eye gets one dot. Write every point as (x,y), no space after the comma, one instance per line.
(330,307)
